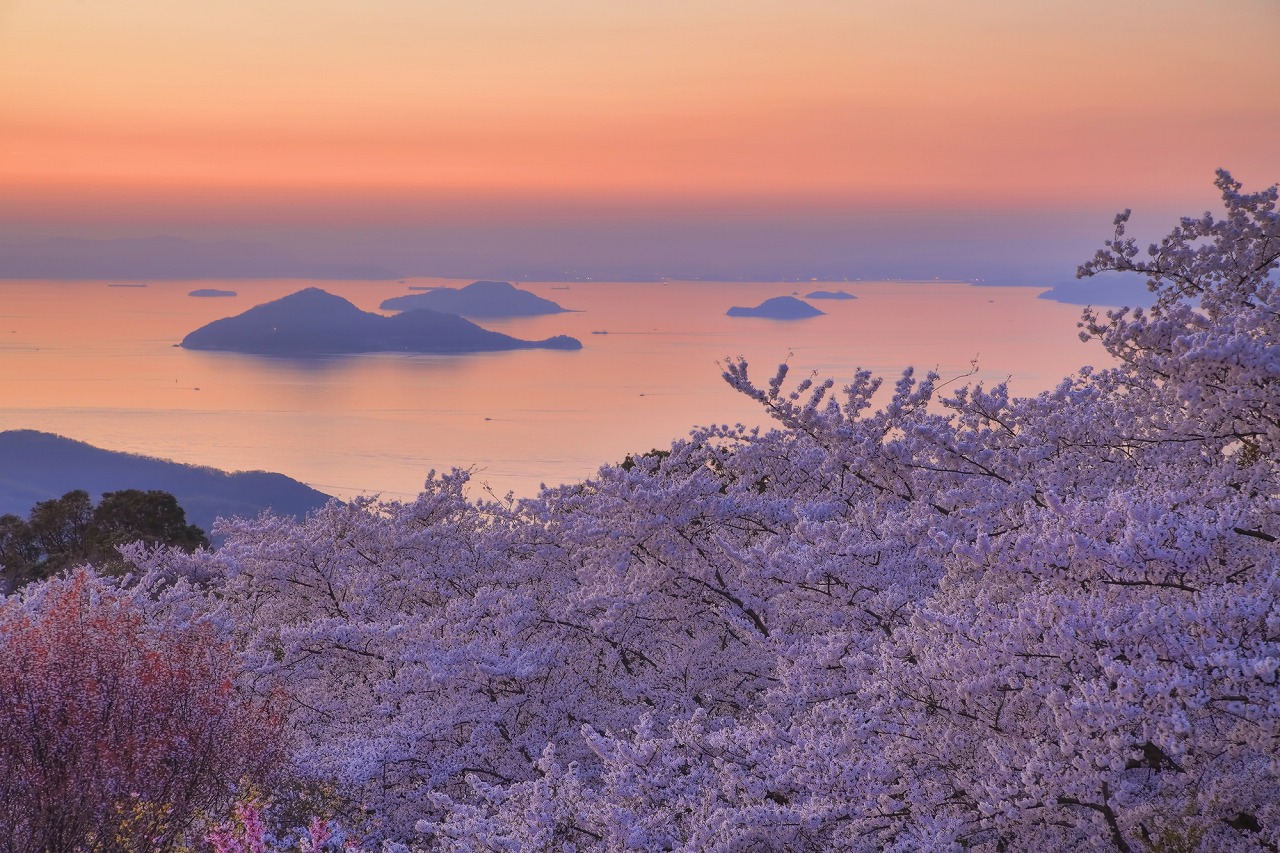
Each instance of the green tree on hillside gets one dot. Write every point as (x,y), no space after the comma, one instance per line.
(68,531)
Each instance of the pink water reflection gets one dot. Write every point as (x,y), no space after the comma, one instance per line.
(98,364)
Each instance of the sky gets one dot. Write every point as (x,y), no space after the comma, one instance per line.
(752,138)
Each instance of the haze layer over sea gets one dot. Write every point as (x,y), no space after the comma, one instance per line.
(99,363)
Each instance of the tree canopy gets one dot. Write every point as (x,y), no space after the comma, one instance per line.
(121,728)
(71,530)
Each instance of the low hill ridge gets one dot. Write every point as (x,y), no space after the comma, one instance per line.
(41,466)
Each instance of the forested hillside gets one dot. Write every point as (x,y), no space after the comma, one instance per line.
(38,466)
(933,617)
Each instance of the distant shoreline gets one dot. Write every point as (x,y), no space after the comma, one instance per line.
(1086,292)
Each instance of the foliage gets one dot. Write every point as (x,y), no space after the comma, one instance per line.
(246,831)
(70,531)
(904,619)
(120,729)
(630,461)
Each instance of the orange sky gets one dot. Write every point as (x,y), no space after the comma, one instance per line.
(378,107)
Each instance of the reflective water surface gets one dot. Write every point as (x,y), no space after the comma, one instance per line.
(99,363)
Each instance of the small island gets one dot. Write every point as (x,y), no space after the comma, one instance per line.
(478,299)
(212,292)
(313,322)
(829,294)
(778,308)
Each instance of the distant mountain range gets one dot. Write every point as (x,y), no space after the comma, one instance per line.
(37,466)
(478,299)
(723,256)
(313,322)
(167,258)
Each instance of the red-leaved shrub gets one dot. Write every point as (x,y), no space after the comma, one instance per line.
(118,731)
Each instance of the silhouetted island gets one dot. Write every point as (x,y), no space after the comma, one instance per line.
(313,322)
(211,292)
(829,294)
(39,466)
(478,299)
(778,308)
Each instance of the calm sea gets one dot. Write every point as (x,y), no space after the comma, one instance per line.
(98,363)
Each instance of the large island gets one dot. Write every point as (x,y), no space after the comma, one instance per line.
(478,299)
(314,322)
(778,308)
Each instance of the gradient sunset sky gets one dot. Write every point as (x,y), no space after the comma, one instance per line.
(750,137)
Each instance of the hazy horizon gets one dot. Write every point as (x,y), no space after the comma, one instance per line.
(1033,248)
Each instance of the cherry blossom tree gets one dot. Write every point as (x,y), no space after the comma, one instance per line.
(918,617)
